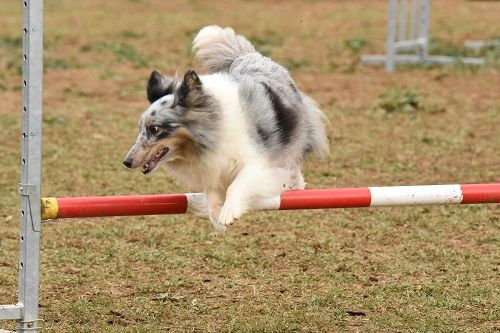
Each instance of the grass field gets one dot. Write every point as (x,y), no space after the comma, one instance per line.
(424,269)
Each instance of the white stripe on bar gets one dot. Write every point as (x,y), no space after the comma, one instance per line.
(197,204)
(415,195)
(267,204)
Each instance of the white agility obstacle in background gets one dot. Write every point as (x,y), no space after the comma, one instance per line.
(408,30)
(477,45)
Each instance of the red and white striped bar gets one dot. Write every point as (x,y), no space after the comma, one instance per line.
(159,204)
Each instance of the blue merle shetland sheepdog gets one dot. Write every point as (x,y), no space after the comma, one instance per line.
(238,133)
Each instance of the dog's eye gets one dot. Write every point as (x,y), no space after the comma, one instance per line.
(154,129)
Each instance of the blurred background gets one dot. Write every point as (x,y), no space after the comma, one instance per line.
(395,269)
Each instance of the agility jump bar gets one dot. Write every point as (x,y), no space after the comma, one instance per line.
(158,204)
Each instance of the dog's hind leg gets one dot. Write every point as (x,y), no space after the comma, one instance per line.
(251,183)
(296,181)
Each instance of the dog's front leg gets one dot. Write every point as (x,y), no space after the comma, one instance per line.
(214,203)
(234,205)
(251,183)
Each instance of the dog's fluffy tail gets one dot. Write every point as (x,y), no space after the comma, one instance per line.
(217,48)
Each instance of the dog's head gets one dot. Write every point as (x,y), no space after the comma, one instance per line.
(165,133)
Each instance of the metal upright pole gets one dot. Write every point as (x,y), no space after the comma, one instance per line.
(403,13)
(391,36)
(29,187)
(413,20)
(424,28)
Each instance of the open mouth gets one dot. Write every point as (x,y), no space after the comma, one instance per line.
(153,162)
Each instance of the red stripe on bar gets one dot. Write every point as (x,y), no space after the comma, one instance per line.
(480,193)
(155,204)
(327,198)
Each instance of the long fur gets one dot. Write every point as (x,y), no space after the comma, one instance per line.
(217,48)
(237,134)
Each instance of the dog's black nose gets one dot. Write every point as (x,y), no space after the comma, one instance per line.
(127,163)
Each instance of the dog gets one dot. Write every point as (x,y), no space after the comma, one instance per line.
(238,134)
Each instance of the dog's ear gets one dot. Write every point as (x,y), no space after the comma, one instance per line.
(158,86)
(190,88)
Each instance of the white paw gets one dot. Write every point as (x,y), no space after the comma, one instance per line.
(218,227)
(213,215)
(231,210)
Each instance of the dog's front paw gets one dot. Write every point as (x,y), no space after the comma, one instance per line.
(231,210)
(219,228)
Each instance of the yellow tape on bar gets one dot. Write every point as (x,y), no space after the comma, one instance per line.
(50,209)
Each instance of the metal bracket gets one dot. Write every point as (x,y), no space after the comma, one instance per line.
(30,191)
(32,325)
